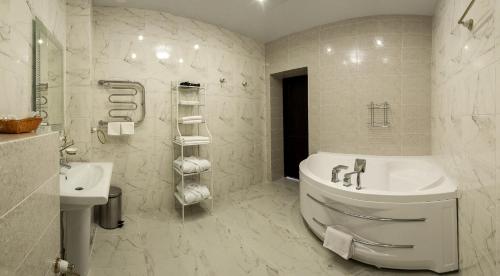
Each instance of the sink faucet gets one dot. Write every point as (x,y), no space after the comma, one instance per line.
(62,161)
(335,172)
(359,168)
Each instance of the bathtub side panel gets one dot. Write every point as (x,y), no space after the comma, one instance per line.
(434,240)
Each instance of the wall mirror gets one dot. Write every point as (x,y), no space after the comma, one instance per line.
(48,81)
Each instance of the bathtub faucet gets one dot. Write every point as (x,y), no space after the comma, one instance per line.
(335,172)
(359,168)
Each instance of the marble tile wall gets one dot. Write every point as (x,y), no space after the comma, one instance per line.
(78,75)
(464,114)
(15,48)
(29,203)
(353,62)
(164,53)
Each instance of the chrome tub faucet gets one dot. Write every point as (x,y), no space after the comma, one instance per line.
(359,168)
(335,172)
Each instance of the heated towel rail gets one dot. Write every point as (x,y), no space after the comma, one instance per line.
(125,100)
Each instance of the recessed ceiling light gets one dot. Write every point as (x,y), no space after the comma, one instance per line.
(133,55)
(329,50)
(355,58)
(140,37)
(40,41)
(162,54)
(181,60)
(196,46)
(379,42)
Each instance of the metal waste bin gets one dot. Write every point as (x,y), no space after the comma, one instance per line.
(110,214)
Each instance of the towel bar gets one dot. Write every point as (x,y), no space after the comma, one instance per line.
(371,243)
(467,23)
(364,216)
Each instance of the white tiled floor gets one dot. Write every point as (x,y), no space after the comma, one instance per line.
(259,231)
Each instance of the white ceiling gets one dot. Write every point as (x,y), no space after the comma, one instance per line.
(275,18)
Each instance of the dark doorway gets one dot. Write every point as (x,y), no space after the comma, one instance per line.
(295,126)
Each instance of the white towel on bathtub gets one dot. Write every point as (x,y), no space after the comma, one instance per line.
(338,242)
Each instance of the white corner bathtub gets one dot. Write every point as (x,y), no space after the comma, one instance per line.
(403,217)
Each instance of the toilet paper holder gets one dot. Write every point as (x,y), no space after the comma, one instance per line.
(63,266)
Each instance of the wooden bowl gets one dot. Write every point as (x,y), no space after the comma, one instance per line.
(20,126)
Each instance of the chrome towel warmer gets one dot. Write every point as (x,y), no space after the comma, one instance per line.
(114,98)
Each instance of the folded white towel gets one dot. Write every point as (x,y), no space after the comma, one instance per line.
(114,128)
(192,164)
(190,118)
(127,128)
(193,138)
(194,143)
(202,164)
(185,102)
(338,242)
(192,122)
(193,192)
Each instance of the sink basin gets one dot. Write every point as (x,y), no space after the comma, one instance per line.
(81,187)
(85,184)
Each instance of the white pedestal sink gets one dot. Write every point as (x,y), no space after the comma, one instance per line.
(81,187)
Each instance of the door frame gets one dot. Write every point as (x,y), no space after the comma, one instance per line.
(274,121)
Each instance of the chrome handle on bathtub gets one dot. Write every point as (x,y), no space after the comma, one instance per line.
(335,172)
(371,243)
(364,216)
(359,168)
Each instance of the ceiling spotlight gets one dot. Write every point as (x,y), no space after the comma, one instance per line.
(379,42)
(261,1)
(162,54)
(329,50)
(181,60)
(196,47)
(140,37)
(133,55)
(355,58)
(40,41)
